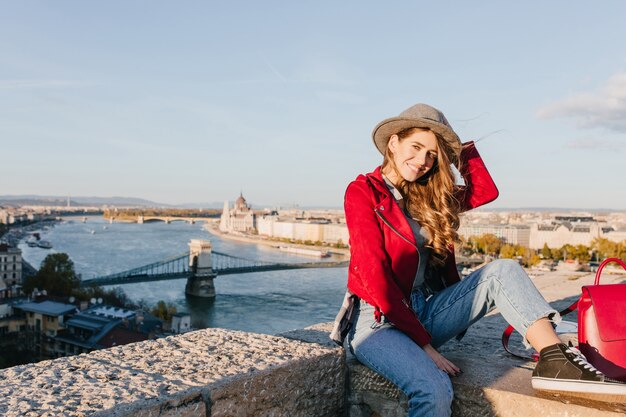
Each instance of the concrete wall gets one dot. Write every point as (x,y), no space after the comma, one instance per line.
(209,372)
(215,372)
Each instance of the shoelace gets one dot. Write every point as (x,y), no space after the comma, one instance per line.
(580,358)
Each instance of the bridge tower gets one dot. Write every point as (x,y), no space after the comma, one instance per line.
(200,282)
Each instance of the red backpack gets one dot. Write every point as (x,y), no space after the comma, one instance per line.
(601,325)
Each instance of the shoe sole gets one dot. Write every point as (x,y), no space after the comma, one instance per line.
(577,386)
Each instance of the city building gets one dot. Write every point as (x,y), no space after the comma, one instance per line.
(104,326)
(9,321)
(294,224)
(303,229)
(44,320)
(50,329)
(241,218)
(513,234)
(555,235)
(181,322)
(10,265)
(23,215)
(8,293)
(536,229)
(615,235)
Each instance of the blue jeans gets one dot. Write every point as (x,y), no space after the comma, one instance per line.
(391,353)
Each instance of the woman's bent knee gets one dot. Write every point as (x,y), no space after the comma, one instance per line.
(505,271)
(507,265)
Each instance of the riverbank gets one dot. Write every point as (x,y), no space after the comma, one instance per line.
(213,228)
(15,233)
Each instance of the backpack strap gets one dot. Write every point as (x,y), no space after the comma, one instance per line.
(506,335)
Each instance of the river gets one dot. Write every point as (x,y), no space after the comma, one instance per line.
(263,302)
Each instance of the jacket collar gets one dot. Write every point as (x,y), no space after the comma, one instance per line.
(376,179)
(395,214)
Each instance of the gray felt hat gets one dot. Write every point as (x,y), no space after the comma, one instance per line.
(419,115)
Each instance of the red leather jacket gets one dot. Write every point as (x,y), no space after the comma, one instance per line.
(384,256)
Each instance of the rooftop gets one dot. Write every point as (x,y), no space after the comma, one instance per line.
(89,322)
(8,249)
(110,311)
(49,308)
(120,336)
(498,225)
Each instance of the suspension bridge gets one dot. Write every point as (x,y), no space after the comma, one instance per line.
(200,266)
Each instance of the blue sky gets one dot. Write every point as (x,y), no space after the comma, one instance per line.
(195,101)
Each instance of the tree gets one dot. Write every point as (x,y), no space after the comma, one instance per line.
(546,252)
(569,251)
(114,297)
(582,253)
(163,310)
(56,275)
(621,250)
(489,244)
(507,252)
(529,257)
(605,247)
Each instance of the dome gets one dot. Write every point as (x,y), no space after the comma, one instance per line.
(240,200)
(241,204)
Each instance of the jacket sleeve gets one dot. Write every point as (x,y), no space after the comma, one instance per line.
(370,263)
(479,187)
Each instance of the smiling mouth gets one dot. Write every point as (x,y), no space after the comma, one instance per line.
(416,169)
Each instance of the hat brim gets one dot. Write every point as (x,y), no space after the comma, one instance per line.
(393,125)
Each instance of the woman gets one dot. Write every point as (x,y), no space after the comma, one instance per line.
(403,219)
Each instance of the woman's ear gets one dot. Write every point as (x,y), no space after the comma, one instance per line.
(393,142)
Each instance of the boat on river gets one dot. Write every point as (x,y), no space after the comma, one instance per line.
(44,244)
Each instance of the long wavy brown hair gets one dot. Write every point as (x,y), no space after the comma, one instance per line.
(430,199)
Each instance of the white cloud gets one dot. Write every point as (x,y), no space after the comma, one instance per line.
(604,108)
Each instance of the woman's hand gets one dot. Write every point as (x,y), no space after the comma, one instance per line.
(441,362)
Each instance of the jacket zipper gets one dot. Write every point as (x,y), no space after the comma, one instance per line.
(405,239)
(379,214)
(396,231)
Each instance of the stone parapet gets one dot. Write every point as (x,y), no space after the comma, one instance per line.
(216,372)
(493,382)
(211,372)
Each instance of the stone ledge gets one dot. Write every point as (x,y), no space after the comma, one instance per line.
(493,383)
(202,373)
(222,372)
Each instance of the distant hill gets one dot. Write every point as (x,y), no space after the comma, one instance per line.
(48,200)
(213,205)
(38,200)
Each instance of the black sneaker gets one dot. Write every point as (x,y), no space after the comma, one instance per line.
(565,369)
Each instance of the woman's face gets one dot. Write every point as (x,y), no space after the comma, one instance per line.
(413,156)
